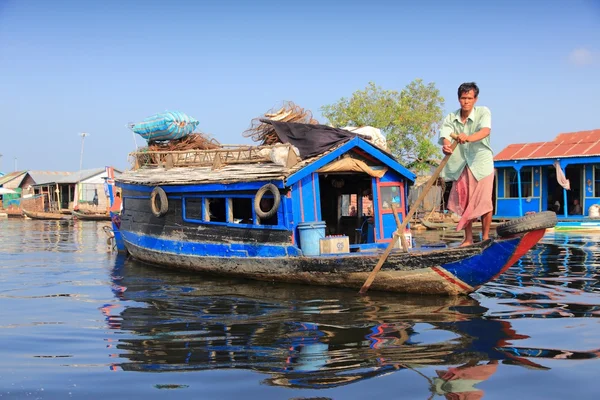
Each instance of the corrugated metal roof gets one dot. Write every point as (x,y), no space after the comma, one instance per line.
(12,175)
(45,177)
(64,177)
(575,144)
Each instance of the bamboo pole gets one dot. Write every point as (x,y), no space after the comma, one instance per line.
(400,230)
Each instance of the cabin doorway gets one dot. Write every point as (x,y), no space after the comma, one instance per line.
(346,205)
(554,192)
(556,199)
(574,173)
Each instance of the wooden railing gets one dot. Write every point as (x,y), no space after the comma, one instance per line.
(216,158)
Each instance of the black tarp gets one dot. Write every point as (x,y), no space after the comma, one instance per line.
(311,140)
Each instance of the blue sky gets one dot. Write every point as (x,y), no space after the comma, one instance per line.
(68,67)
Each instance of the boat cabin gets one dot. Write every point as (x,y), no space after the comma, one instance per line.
(562,175)
(353,190)
(271,194)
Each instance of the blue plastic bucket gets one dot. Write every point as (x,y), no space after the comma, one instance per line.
(310,233)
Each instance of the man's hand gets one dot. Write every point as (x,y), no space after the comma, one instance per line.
(447,149)
(463,138)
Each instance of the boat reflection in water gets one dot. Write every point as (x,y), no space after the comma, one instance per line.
(302,336)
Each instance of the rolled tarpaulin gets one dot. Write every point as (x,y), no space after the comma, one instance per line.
(168,125)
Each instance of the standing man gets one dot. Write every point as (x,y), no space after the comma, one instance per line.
(471,166)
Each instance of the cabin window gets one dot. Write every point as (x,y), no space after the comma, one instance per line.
(216,210)
(228,210)
(242,210)
(512,183)
(390,195)
(193,208)
(596,181)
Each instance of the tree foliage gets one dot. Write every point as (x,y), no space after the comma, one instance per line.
(409,119)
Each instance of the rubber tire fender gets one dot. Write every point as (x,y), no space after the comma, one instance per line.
(269,187)
(162,207)
(530,222)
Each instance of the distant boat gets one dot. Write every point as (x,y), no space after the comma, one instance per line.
(450,225)
(91,216)
(437,225)
(46,215)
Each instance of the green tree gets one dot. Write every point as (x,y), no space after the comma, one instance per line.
(409,119)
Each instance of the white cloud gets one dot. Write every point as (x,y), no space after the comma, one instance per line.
(582,57)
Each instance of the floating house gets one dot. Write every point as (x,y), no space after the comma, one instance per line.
(53,190)
(554,176)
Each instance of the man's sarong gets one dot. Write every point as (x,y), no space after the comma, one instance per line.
(470,198)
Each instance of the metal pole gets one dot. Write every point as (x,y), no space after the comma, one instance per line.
(79,189)
(83,135)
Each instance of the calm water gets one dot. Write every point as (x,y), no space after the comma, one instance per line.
(77,321)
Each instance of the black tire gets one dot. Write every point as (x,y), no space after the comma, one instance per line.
(530,222)
(158,202)
(269,187)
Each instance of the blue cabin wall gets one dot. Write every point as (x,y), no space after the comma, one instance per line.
(305,199)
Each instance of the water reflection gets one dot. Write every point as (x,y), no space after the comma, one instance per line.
(302,336)
(61,236)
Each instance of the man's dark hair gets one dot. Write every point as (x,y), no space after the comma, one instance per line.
(466,87)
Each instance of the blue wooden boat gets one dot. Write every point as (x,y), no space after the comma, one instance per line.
(264,213)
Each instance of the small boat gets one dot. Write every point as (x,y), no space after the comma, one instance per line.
(581,225)
(267,213)
(91,216)
(46,215)
(433,225)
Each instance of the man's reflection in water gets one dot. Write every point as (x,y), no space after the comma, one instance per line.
(458,383)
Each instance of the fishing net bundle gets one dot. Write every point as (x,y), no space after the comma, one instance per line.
(288,111)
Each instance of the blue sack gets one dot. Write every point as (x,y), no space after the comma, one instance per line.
(168,125)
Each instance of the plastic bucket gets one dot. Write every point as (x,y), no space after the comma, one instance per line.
(310,234)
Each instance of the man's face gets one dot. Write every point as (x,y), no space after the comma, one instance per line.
(467,101)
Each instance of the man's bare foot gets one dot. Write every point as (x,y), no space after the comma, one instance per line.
(465,243)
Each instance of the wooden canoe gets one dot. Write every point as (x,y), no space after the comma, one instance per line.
(86,216)
(46,215)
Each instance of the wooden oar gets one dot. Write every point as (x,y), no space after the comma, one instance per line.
(400,231)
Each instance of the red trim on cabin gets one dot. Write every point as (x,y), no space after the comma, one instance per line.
(293,238)
(379,210)
(389,211)
(301,201)
(450,278)
(528,240)
(314,195)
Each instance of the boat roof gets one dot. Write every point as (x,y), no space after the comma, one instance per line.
(246,164)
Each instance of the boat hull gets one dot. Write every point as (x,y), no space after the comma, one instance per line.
(451,271)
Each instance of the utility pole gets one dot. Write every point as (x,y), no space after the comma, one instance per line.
(83,135)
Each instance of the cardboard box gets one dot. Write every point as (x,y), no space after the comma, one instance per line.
(334,244)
